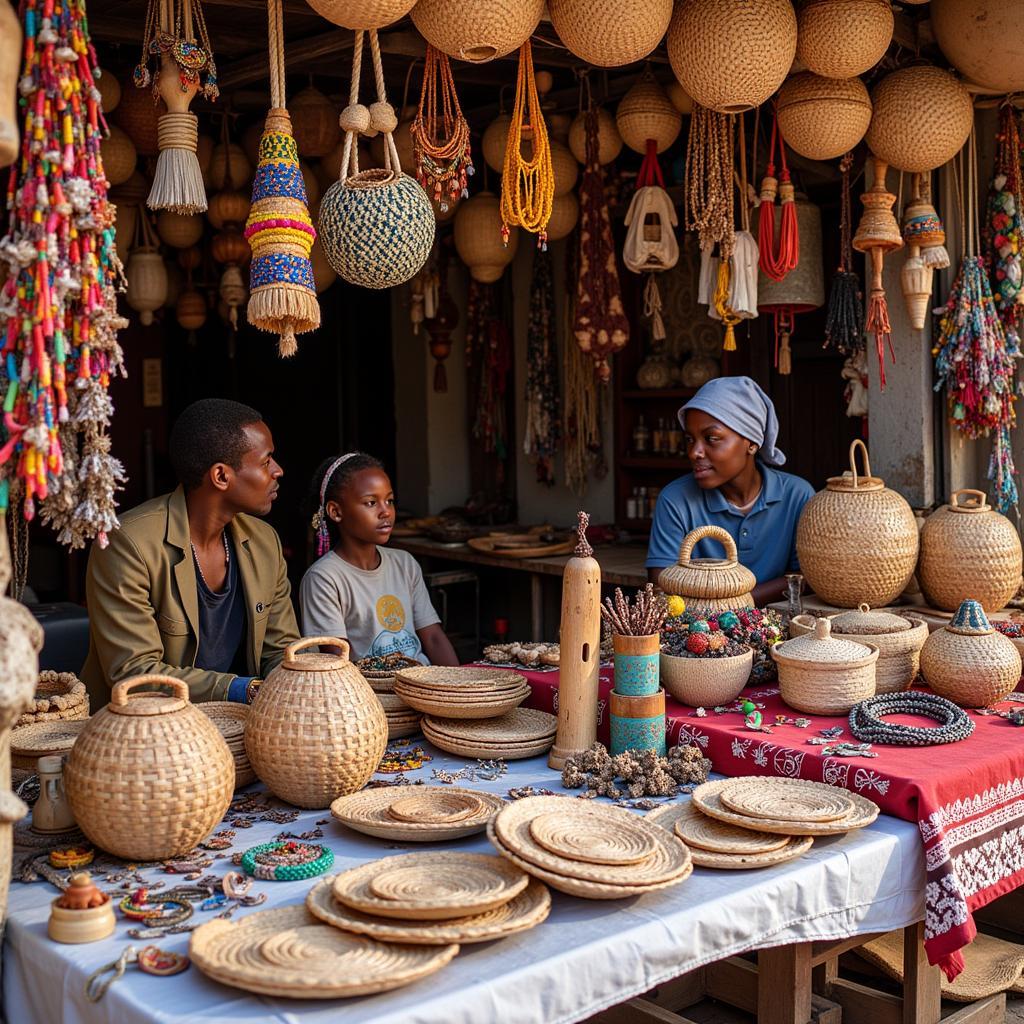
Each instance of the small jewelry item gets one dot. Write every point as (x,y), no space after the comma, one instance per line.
(287,862)
(866,720)
(165,912)
(72,857)
(161,962)
(96,985)
(700,713)
(227,557)
(848,750)
(830,733)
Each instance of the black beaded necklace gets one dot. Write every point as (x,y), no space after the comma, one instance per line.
(867,725)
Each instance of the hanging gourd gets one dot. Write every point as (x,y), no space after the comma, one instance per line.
(314,123)
(776,261)
(612,34)
(146,274)
(478,238)
(119,156)
(646,112)
(138,114)
(109,87)
(921,118)
(527,185)
(844,319)
(982,40)
(362,14)
(185,67)
(179,230)
(609,141)
(843,38)
(376,226)
(731,56)
(477,30)
(565,212)
(823,118)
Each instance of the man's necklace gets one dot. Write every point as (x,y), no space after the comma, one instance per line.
(227,558)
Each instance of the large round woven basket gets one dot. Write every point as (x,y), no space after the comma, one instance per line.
(315,731)
(179,230)
(478,237)
(565,212)
(610,33)
(609,141)
(149,776)
(982,39)
(705,682)
(731,56)
(138,116)
(377,228)
(228,207)
(477,30)
(843,38)
(364,14)
(857,541)
(968,550)
(822,118)
(709,584)
(119,156)
(314,123)
(492,144)
(899,639)
(646,112)
(921,119)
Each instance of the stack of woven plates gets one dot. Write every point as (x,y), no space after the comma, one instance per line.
(31,742)
(523,732)
(586,849)
(464,692)
(423,814)
(432,899)
(229,718)
(402,719)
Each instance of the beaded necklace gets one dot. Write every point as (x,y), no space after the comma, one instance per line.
(287,862)
(866,720)
(227,559)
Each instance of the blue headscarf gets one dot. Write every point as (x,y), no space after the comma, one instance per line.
(742,406)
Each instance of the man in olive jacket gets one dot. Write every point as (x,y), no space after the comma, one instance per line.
(192,585)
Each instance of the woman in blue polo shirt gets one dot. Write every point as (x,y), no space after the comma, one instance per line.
(730,430)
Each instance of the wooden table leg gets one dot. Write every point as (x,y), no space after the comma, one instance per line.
(784,984)
(922,983)
(536,606)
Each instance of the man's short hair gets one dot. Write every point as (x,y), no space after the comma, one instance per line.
(209,431)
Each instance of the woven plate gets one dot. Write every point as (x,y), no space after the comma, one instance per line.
(700,832)
(512,827)
(228,716)
(288,952)
(31,742)
(460,678)
(446,742)
(391,703)
(522,912)
(523,725)
(490,753)
(368,811)
(706,797)
(584,889)
(385,684)
(462,709)
(429,886)
(402,730)
(435,807)
(458,697)
(795,846)
(593,839)
(786,800)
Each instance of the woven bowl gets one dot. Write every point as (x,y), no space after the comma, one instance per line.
(610,33)
(706,682)
(822,118)
(843,38)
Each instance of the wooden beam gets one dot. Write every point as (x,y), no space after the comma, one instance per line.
(833,948)
(734,982)
(679,993)
(922,983)
(983,1011)
(337,41)
(863,1005)
(638,1011)
(784,984)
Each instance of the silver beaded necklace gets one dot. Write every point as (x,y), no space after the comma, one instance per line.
(227,558)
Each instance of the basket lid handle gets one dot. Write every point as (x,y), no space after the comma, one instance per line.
(822,629)
(694,537)
(290,652)
(855,445)
(119,693)
(975,502)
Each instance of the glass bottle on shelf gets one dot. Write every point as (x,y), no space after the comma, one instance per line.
(658,436)
(631,506)
(641,436)
(642,503)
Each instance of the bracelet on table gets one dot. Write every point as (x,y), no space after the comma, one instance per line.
(287,861)
(866,720)
(136,906)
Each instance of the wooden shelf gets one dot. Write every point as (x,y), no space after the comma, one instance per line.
(670,462)
(658,393)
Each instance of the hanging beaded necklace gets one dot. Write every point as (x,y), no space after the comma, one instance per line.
(227,558)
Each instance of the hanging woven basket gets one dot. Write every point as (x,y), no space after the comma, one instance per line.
(179,230)
(191,310)
(493,142)
(229,207)
(609,141)
(610,33)
(147,283)
(314,123)
(803,287)
(565,212)
(823,118)
(477,30)
(566,170)
(139,117)
(646,112)
(229,246)
(731,56)
(119,156)
(232,155)
(478,238)
(983,40)
(365,14)
(110,90)
(843,38)
(921,119)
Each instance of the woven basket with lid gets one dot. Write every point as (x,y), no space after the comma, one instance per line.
(149,775)
(315,731)
(709,584)
(843,38)
(857,541)
(823,674)
(968,550)
(968,662)
(822,118)
(899,639)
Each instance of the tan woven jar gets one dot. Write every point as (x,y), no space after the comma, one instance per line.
(899,640)
(825,675)
(968,550)
(610,33)
(478,237)
(822,118)
(477,31)
(646,112)
(609,141)
(149,775)
(968,662)
(857,541)
(315,731)
(709,584)
(843,38)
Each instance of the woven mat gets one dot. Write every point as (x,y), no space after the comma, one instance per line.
(700,832)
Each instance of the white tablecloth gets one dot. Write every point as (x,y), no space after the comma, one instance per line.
(587,956)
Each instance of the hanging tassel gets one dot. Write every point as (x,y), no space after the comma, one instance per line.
(785,356)
(440,378)
(844,320)
(721,302)
(652,308)
(778,265)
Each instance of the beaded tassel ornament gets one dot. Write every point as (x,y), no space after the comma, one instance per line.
(58,308)
(543,430)
(844,320)
(777,262)
(279,230)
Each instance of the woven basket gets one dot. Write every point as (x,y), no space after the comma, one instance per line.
(564,167)
(110,89)
(731,56)
(233,157)
(646,112)
(478,237)
(492,144)
(179,230)
(315,731)
(565,212)
(822,675)
(364,14)
(191,310)
(613,32)
(822,118)
(477,30)
(857,541)
(921,119)
(843,38)
(709,584)
(968,550)
(314,122)
(982,40)
(119,156)
(899,639)
(149,776)
(229,207)
(138,115)
(230,718)
(609,141)
(706,682)
(59,697)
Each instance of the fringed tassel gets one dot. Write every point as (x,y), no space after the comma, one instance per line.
(287,307)
(178,181)
(778,265)
(785,356)
(440,378)
(935,256)
(844,323)
(721,303)
(877,323)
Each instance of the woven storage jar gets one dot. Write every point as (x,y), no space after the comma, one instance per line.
(565,212)
(983,40)
(146,274)
(138,116)
(968,550)
(824,675)
(179,230)
(822,118)
(842,38)
(857,541)
(612,32)
(149,776)
(364,14)
(118,154)
(899,640)
(706,682)
(709,584)
(315,731)
(731,55)
(190,310)
(478,238)
(921,118)
(609,141)
(314,123)
(646,112)
(477,30)
(968,662)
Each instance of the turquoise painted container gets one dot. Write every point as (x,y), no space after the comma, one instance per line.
(637,723)
(637,664)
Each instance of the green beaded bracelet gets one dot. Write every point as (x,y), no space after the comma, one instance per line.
(286,872)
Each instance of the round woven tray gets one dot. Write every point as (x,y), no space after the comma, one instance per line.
(521,913)
(795,847)
(402,730)
(368,812)
(459,707)
(786,800)
(433,807)
(706,797)
(707,835)
(288,952)
(458,695)
(460,677)
(429,886)
(392,703)
(489,751)
(593,839)
(382,684)
(31,742)
(523,725)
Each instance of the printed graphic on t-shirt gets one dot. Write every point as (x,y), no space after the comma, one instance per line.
(394,638)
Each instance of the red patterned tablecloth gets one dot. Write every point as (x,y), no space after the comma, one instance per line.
(967,798)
